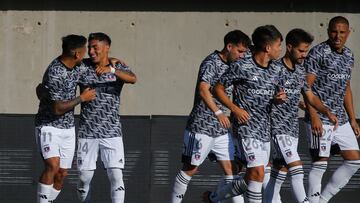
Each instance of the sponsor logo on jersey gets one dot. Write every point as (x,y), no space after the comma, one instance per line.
(261,91)
(291,91)
(339,76)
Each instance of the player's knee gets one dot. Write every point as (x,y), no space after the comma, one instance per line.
(115,177)
(256,173)
(85,177)
(62,173)
(189,169)
(52,166)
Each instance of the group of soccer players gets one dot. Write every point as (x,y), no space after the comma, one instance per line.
(265,92)
(101,81)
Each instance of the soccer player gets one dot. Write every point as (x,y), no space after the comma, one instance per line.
(207,126)
(54,122)
(328,67)
(284,118)
(254,79)
(100,127)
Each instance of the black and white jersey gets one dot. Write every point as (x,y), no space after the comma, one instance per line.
(100,117)
(201,119)
(332,71)
(254,89)
(61,83)
(284,117)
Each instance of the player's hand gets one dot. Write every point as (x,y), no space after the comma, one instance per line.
(241,115)
(302,105)
(333,119)
(280,97)
(115,61)
(316,126)
(88,95)
(102,70)
(224,120)
(355,127)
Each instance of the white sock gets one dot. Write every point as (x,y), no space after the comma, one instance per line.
(297,183)
(235,188)
(117,185)
(181,182)
(272,191)
(339,179)
(227,180)
(43,193)
(54,193)
(83,187)
(253,192)
(267,172)
(315,176)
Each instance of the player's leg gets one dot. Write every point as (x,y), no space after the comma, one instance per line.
(320,152)
(48,142)
(112,155)
(87,153)
(224,151)
(347,142)
(196,148)
(67,150)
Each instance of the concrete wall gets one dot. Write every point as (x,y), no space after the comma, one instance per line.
(164,49)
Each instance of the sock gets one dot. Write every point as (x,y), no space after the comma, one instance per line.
(54,193)
(266,177)
(235,188)
(181,182)
(272,191)
(83,187)
(339,179)
(117,185)
(227,180)
(315,176)
(297,183)
(253,192)
(43,192)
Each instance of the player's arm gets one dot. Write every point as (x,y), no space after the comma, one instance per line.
(316,124)
(349,107)
(206,96)
(315,102)
(126,76)
(61,107)
(241,115)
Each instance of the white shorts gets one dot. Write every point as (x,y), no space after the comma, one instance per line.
(56,142)
(197,146)
(344,136)
(111,153)
(285,148)
(254,152)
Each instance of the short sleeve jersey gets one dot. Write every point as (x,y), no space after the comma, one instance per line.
(284,117)
(332,71)
(61,83)
(100,117)
(254,88)
(201,119)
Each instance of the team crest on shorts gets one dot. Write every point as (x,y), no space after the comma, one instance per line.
(197,156)
(252,157)
(323,147)
(46,148)
(288,154)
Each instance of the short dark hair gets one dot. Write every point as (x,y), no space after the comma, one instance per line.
(297,36)
(264,35)
(100,36)
(338,19)
(72,42)
(236,37)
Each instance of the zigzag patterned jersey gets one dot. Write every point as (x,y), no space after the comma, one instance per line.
(332,71)
(284,117)
(61,83)
(254,88)
(201,119)
(100,118)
